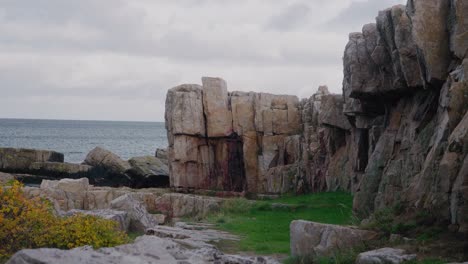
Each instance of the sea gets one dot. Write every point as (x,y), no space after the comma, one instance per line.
(75,138)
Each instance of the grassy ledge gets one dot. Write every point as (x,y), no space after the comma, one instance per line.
(264,225)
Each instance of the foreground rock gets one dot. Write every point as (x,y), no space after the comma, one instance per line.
(78,194)
(19,160)
(315,239)
(6,177)
(384,256)
(140,220)
(145,249)
(149,171)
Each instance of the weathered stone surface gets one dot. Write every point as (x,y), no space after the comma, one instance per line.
(384,256)
(121,217)
(180,205)
(162,155)
(216,107)
(145,249)
(309,238)
(184,111)
(113,167)
(67,193)
(5,178)
(459,28)
(148,171)
(140,219)
(62,170)
(429,21)
(19,160)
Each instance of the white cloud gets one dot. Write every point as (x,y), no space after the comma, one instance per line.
(115,59)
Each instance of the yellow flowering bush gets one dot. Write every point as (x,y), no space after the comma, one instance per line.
(31,223)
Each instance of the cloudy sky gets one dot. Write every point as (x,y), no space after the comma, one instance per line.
(115,59)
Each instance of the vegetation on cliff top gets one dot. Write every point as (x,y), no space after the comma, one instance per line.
(31,223)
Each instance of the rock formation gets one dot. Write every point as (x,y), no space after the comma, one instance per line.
(397,137)
(255,142)
(407,99)
(101,167)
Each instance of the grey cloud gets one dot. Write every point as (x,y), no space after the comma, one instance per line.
(289,18)
(358,14)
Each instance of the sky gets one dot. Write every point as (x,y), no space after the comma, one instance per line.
(116,59)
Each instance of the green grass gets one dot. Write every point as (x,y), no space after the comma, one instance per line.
(264,229)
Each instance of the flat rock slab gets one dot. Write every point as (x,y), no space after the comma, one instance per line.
(145,249)
(315,239)
(384,256)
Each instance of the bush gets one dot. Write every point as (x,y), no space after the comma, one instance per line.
(31,223)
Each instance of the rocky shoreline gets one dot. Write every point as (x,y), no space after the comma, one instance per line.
(101,167)
(397,139)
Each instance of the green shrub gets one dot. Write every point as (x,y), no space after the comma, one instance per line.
(31,223)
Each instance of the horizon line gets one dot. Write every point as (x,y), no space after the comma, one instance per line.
(58,119)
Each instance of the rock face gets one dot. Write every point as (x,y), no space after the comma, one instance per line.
(252,142)
(114,168)
(406,97)
(149,171)
(140,220)
(18,160)
(309,238)
(384,256)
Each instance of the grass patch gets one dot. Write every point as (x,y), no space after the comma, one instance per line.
(264,225)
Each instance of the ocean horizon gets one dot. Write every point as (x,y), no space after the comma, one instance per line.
(75,138)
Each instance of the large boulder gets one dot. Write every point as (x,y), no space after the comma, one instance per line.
(140,219)
(114,169)
(66,194)
(315,239)
(149,171)
(19,160)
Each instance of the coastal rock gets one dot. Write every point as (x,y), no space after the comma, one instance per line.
(215,107)
(145,249)
(5,178)
(384,256)
(247,134)
(433,44)
(62,170)
(309,238)
(148,171)
(65,194)
(18,160)
(140,219)
(161,154)
(184,111)
(183,205)
(112,166)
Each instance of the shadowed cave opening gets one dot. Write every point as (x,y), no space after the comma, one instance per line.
(235,179)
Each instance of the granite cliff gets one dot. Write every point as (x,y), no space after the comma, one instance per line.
(397,137)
